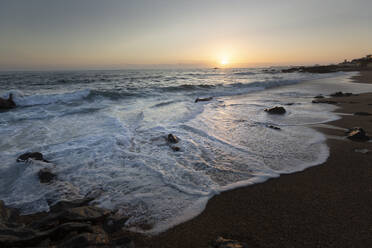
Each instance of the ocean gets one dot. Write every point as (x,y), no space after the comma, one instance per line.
(104,133)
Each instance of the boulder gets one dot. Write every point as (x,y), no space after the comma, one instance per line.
(7,103)
(221,242)
(172,138)
(203,99)
(45,175)
(357,133)
(341,94)
(31,155)
(319,97)
(276,110)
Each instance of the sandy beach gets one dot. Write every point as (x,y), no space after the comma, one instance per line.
(329,205)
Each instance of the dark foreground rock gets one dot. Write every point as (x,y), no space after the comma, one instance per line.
(68,224)
(46,175)
(31,155)
(203,99)
(357,133)
(7,103)
(276,110)
(221,242)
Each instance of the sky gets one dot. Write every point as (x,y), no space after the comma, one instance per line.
(115,34)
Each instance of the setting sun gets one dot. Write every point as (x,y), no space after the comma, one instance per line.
(224,61)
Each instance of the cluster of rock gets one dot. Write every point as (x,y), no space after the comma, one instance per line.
(171,140)
(68,224)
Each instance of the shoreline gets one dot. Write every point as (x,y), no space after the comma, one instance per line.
(327,205)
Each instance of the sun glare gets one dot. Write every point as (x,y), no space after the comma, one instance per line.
(224,61)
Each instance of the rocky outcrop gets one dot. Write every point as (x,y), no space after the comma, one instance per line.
(68,224)
(276,110)
(7,103)
(203,99)
(221,242)
(357,133)
(31,155)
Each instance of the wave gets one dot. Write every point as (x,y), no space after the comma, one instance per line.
(44,99)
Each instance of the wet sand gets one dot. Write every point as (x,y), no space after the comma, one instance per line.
(329,205)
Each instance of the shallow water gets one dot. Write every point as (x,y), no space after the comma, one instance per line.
(105,133)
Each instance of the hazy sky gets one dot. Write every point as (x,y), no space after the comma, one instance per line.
(69,34)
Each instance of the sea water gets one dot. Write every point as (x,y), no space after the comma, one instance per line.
(104,133)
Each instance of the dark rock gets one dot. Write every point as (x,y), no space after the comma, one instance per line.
(203,99)
(62,205)
(172,138)
(341,94)
(276,110)
(324,101)
(357,133)
(228,243)
(362,113)
(289,104)
(114,223)
(31,155)
(45,175)
(274,127)
(7,103)
(319,97)
(8,214)
(86,240)
(176,148)
(124,242)
(84,214)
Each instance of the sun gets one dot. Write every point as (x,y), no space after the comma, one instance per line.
(224,61)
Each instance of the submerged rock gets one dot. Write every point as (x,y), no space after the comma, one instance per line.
(274,127)
(341,94)
(275,110)
(172,138)
(324,101)
(7,103)
(203,99)
(357,133)
(176,148)
(31,155)
(45,175)
(221,242)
